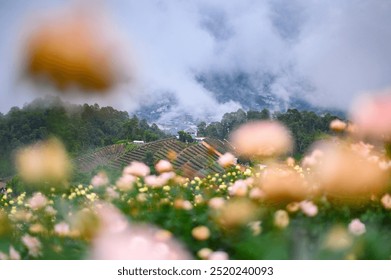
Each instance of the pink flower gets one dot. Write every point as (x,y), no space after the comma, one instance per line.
(311,160)
(261,139)
(117,239)
(61,229)
(239,188)
(227,160)
(137,168)
(163,166)
(256,194)
(372,115)
(37,201)
(111,194)
(100,180)
(153,180)
(309,208)
(14,255)
(183,204)
(216,202)
(356,227)
(125,183)
(218,256)
(159,181)
(386,201)
(33,245)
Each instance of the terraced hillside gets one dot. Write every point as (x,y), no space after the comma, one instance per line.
(190,159)
(159,150)
(100,157)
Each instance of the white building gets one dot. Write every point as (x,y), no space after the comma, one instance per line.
(191,131)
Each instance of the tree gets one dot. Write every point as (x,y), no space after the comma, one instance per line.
(256,115)
(185,137)
(201,129)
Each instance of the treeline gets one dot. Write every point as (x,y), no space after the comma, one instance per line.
(80,127)
(306,127)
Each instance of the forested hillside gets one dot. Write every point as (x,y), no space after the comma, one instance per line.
(80,127)
(306,127)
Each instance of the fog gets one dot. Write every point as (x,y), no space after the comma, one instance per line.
(325,52)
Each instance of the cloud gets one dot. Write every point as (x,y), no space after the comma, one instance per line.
(324,52)
(343,49)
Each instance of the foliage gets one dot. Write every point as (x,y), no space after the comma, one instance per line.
(185,137)
(81,128)
(304,237)
(306,127)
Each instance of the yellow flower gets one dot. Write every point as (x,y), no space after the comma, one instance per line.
(247,172)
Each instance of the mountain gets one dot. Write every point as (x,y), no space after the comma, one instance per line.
(252,92)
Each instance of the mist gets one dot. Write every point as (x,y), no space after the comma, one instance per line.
(323,52)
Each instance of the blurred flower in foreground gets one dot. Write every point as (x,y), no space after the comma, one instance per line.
(159,181)
(125,182)
(163,166)
(100,180)
(216,202)
(37,201)
(13,255)
(137,168)
(33,245)
(261,139)
(200,233)
(62,229)
(43,161)
(236,212)
(338,125)
(227,160)
(282,184)
(309,208)
(338,239)
(218,256)
(239,188)
(356,227)
(344,173)
(281,219)
(386,201)
(204,253)
(75,48)
(372,115)
(116,239)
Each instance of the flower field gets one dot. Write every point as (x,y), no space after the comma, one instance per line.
(258,185)
(334,204)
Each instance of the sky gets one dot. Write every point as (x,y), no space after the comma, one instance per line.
(328,51)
